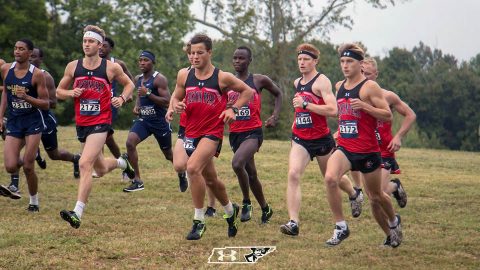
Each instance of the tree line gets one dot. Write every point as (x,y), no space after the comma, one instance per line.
(443,91)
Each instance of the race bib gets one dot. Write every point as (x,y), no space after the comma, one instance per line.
(89,106)
(303,120)
(147,111)
(21,104)
(243,113)
(188,144)
(348,129)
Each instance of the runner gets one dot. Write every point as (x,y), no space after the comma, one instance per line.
(24,97)
(360,103)
(246,135)
(91,77)
(153,99)
(205,91)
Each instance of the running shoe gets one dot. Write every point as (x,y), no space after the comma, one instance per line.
(136,185)
(338,236)
(291,228)
(210,212)
(399,194)
(266,214)
(356,203)
(129,169)
(246,212)
(232,221)
(70,217)
(396,234)
(197,231)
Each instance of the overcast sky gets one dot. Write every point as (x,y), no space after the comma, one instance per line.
(449,25)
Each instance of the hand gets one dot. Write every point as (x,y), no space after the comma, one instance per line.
(228,116)
(142,90)
(271,121)
(357,104)
(169,115)
(297,102)
(77,92)
(135,110)
(117,102)
(20,93)
(394,144)
(180,107)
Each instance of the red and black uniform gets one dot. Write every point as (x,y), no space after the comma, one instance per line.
(309,129)
(93,112)
(248,124)
(205,102)
(183,122)
(356,132)
(384,137)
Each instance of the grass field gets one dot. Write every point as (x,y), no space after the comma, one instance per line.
(147,229)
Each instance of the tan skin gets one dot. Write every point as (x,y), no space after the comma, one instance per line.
(1,64)
(92,157)
(373,102)
(13,145)
(200,166)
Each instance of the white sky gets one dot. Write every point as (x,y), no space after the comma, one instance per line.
(443,24)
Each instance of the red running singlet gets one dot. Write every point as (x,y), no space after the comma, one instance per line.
(384,137)
(248,117)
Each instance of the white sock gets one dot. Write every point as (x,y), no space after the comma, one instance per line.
(342,224)
(34,199)
(79,208)
(228,208)
(394,223)
(199,214)
(121,163)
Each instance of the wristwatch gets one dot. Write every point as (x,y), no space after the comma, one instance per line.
(304,105)
(149,91)
(234,109)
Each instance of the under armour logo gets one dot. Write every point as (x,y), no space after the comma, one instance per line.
(201,84)
(347,94)
(229,255)
(346,53)
(222,255)
(302,88)
(90,73)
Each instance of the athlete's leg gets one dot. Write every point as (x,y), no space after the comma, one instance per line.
(255,184)
(298,161)
(210,198)
(180,157)
(357,178)
(31,147)
(244,153)
(113,146)
(387,186)
(11,154)
(132,141)
(337,165)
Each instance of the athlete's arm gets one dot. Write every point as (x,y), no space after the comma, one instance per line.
(125,81)
(163,98)
(267,83)
(3,101)
(137,99)
(409,118)
(177,105)
(62,90)
(50,84)
(41,101)
(227,82)
(378,108)
(1,82)
(323,87)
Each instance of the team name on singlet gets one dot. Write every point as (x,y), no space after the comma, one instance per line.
(202,95)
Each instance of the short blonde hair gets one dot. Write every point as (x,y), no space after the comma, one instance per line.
(187,48)
(309,48)
(351,47)
(371,61)
(95,29)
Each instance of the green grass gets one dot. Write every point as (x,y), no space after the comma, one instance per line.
(147,229)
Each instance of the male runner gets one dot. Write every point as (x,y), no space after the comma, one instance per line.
(360,103)
(205,91)
(246,135)
(311,138)
(24,97)
(91,77)
(153,99)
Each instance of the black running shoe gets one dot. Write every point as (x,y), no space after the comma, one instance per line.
(266,214)
(136,185)
(210,212)
(387,242)
(70,217)
(338,236)
(129,169)
(183,181)
(42,163)
(246,212)
(33,208)
(76,166)
(197,231)
(399,194)
(291,228)
(396,235)
(10,191)
(232,221)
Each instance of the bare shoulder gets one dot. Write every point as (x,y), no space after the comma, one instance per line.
(295,83)
(338,84)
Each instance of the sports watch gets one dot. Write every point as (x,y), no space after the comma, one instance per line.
(234,109)
(304,104)
(149,91)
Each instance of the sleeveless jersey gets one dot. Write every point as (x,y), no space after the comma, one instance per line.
(148,109)
(183,115)
(384,137)
(308,125)
(92,107)
(248,117)
(356,128)
(17,106)
(205,102)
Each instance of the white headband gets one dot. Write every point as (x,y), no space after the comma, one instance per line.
(91,34)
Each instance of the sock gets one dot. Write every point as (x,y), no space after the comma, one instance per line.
(394,223)
(228,209)
(265,209)
(247,201)
(14,178)
(199,214)
(342,224)
(121,163)
(34,199)
(79,206)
